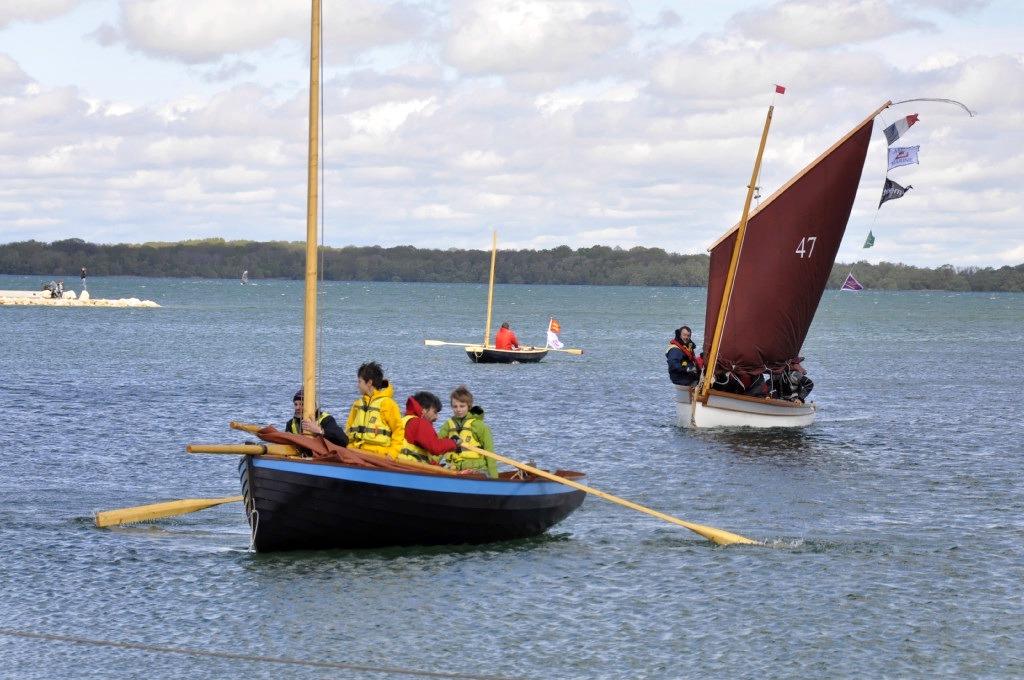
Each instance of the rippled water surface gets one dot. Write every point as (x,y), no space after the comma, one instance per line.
(893,525)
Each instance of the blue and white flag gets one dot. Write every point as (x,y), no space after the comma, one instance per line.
(903,155)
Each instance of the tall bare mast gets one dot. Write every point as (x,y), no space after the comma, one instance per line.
(309,325)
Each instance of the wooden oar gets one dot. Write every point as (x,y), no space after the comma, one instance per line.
(142,513)
(439,343)
(710,533)
(567,351)
(245,449)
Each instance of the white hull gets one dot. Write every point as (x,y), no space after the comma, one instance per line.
(735,410)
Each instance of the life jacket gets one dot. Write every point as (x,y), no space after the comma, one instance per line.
(414,452)
(687,352)
(295,424)
(467,460)
(369,427)
(465,433)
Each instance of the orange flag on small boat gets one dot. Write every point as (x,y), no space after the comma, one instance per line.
(554,328)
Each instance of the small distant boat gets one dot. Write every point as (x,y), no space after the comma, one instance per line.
(851,283)
(245,277)
(487,353)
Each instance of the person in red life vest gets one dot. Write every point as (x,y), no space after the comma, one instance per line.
(683,364)
(506,339)
(421,441)
(325,425)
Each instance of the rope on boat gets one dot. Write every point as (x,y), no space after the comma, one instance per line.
(242,657)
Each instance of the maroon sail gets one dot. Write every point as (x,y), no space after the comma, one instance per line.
(787,255)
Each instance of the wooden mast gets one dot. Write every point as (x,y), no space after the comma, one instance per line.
(723,307)
(490,290)
(309,325)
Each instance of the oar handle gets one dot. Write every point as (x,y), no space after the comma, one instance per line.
(710,533)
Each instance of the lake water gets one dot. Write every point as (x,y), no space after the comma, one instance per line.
(894,526)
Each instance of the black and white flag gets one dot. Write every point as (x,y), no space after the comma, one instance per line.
(891,191)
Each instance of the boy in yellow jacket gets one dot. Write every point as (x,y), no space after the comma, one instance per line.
(375,422)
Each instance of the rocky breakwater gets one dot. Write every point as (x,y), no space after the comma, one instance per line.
(42,299)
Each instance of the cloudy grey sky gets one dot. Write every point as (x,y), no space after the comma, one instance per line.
(575,122)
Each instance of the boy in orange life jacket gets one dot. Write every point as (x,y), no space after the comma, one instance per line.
(375,423)
(421,441)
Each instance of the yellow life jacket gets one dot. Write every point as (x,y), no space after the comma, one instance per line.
(412,451)
(369,427)
(465,460)
(295,424)
(464,431)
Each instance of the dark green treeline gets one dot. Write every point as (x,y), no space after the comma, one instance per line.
(597,265)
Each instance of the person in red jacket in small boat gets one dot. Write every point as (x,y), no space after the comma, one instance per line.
(506,339)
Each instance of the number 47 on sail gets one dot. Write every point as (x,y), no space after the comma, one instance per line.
(806,246)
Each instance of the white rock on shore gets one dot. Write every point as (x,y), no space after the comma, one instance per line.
(18,297)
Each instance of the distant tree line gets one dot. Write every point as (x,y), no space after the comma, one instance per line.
(597,265)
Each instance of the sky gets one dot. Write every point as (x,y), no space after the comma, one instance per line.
(554,122)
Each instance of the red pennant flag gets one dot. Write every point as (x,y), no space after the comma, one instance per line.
(780,89)
(554,326)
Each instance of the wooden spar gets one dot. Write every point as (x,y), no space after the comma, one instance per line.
(309,325)
(142,513)
(711,360)
(245,449)
(712,534)
(490,290)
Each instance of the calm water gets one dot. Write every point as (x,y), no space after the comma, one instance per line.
(894,524)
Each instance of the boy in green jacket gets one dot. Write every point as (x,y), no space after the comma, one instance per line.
(467,426)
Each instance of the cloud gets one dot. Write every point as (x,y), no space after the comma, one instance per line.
(194,32)
(533,42)
(811,24)
(577,122)
(13,11)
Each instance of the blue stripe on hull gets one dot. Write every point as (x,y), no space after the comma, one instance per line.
(423,482)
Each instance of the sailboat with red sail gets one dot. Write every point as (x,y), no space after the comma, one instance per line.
(767,276)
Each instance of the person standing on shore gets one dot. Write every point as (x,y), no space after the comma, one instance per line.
(83,278)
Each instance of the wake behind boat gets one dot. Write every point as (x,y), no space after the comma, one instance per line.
(766,278)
